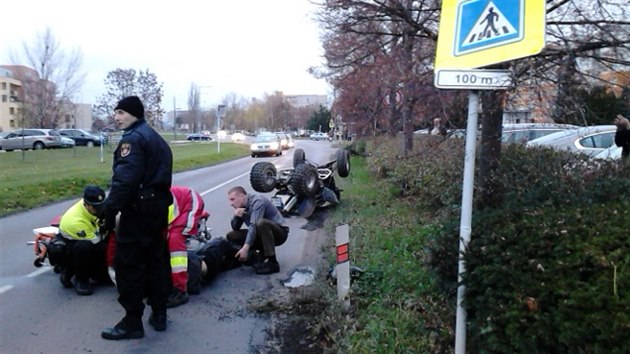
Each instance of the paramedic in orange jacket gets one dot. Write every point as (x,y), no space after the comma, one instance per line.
(184,217)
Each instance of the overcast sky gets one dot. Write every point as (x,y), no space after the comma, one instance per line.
(247,47)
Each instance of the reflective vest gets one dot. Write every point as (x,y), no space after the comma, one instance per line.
(77,223)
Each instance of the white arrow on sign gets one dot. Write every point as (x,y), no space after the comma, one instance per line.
(473,79)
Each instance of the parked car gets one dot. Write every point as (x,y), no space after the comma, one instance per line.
(82,137)
(67,142)
(36,139)
(319,136)
(612,153)
(523,132)
(198,137)
(585,140)
(266,144)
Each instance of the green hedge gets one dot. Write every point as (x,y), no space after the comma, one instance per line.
(548,270)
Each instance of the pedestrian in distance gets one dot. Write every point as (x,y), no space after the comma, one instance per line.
(265,230)
(140,192)
(85,246)
(622,136)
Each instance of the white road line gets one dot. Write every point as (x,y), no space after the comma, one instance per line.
(223,184)
(41,270)
(229,181)
(5,288)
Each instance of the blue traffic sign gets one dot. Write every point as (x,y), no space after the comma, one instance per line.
(483,24)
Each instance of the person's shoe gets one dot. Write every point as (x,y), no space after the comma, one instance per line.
(158,322)
(83,287)
(254,259)
(122,330)
(65,277)
(268,268)
(177,298)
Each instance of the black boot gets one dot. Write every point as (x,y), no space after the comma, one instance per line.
(158,320)
(125,329)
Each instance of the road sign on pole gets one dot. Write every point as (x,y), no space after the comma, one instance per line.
(477,33)
(471,79)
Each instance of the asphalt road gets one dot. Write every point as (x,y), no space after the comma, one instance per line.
(37,315)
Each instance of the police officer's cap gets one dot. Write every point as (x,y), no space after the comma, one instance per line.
(94,195)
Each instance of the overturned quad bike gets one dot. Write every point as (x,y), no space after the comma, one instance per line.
(303,188)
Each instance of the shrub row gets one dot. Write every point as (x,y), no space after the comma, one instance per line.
(548,269)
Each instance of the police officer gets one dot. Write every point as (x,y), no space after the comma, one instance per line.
(85,247)
(140,192)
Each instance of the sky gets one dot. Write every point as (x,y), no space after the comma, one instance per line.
(247,47)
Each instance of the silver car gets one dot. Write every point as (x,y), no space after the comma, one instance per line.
(266,144)
(36,139)
(521,133)
(585,140)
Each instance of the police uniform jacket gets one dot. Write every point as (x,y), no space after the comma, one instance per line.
(142,170)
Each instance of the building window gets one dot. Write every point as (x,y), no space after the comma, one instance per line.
(12,111)
(4,86)
(12,123)
(4,98)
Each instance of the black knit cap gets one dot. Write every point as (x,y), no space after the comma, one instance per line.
(131,105)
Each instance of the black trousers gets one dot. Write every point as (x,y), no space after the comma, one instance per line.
(268,236)
(87,260)
(142,260)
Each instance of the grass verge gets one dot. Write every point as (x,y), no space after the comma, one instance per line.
(396,307)
(39,177)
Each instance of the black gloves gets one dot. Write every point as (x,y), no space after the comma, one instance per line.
(110,220)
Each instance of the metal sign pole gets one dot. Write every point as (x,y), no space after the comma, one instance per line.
(465,225)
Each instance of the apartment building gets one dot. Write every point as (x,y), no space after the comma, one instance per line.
(12,77)
(9,105)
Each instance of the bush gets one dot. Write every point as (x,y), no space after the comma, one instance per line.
(546,281)
(541,268)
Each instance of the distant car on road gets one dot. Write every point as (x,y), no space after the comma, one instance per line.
(81,137)
(266,144)
(35,139)
(198,137)
(589,140)
(319,136)
(238,137)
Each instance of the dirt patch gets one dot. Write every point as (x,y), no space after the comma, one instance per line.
(295,319)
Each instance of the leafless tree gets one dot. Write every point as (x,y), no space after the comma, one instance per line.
(47,96)
(194,107)
(125,82)
(374,46)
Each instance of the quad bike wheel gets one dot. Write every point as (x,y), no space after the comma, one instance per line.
(305,180)
(298,157)
(343,163)
(306,207)
(263,177)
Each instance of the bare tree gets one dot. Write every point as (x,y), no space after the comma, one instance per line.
(126,82)
(194,107)
(46,97)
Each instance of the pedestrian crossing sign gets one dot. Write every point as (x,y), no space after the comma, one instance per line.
(476,33)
